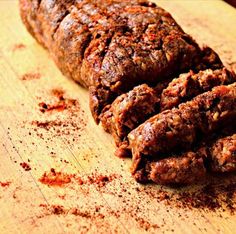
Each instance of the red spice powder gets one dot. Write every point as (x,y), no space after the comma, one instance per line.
(54,178)
(19,46)
(68,124)
(25,166)
(210,197)
(100,180)
(58,93)
(48,107)
(58,209)
(5,184)
(31,76)
(61,104)
(48,124)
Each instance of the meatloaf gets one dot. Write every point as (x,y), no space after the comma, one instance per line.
(180,128)
(127,52)
(110,46)
(131,109)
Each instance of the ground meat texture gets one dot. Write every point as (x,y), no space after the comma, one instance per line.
(128,111)
(112,46)
(183,170)
(190,85)
(133,108)
(217,154)
(179,128)
(222,155)
(209,59)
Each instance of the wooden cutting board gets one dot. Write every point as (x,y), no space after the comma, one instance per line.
(58,172)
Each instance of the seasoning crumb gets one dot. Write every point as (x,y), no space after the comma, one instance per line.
(54,178)
(67,125)
(25,166)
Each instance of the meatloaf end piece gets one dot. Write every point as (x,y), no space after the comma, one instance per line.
(190,85)
(112,46)
(180,128)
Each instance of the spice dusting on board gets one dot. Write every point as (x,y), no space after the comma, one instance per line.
(61,210)
(210,197)
(95,214)
(61,103)
(47,107)
(61,117)
(97,179)
(19,46)
(5,184)
(54,178)
(31,76)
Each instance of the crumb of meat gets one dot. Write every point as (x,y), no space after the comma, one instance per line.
(25,166)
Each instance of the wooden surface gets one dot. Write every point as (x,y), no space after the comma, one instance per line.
(71,143)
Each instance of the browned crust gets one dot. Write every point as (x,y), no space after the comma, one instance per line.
(112,46)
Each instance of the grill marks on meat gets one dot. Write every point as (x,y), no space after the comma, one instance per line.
(180,128)
(112,46)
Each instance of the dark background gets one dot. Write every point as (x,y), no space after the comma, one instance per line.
(232,2)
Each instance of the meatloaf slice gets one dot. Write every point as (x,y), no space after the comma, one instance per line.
(190,85)
(128,111)
(184,169)
(112,46)
(180,128)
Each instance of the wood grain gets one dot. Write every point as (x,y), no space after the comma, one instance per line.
(73,144)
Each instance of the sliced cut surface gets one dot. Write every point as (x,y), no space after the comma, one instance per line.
(180,128)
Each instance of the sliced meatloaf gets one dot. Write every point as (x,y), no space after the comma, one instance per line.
(131,109)
(128,111)
(179,128)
